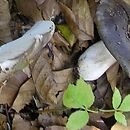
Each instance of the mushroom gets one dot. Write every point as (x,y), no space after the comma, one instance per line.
(95,61)
(25,48)
(113,25)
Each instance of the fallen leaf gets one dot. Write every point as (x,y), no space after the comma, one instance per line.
(31,12)
(112,75)
(90,128)
(58,40)
(50,9)
(55,128)
(3,121)
(72,22)
(103,94)
(48,119)
(25,95)
(127,1)
(68,3)
(39,2)
(60,59)
(11,87)
(97,121)
(50,80)
(92,6)
(84,20)
(118,126)
(19,124)
(5,17)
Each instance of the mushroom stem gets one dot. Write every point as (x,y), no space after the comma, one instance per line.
(94,62)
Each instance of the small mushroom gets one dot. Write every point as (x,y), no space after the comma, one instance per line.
(95,61)
(25,48)
(113,23)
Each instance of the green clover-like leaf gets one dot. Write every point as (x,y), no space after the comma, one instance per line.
(116,99)
(125,105)
(84,93)
(120,118)
(79,95)
(77,120)
(69,99)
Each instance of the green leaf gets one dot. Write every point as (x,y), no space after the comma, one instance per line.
(67,34)
(77,120)
(78,96)
(84,93)
(120,118)
(69,99)
(116,99)
(125,105)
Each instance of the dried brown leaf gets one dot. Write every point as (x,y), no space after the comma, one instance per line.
(10,88)
(50,120)
(97,121)
(5,34)
(60,59)
(49,9)
(55,128)
(103,93)
(25,95)
(29,9)
(70,18)
(118,126)
(127,1)
(90,128)
(92,6)
(60,82)
(112,75)
(20,124)
(60,41)
(84,20)
(39,2)
(50,82)
(73,22)
(3,121)
(68,3)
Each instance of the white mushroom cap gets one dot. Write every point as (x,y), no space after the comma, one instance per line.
(19,46)
(22,50)
(95,61)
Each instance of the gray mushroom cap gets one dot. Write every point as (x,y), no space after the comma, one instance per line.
(113,25)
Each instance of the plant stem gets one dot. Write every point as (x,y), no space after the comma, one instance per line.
(92,111)
(101,110)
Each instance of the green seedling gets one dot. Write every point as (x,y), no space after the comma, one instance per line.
(81,98)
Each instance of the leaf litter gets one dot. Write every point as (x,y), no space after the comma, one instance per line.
(52,69)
